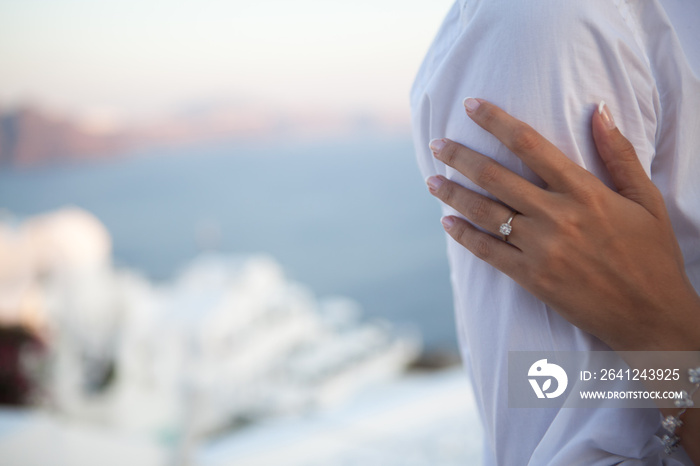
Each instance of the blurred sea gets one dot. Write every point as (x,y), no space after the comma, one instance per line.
(345,217)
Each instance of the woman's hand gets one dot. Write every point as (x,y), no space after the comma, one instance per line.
(607,261)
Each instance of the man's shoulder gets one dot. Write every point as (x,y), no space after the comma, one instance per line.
(554,20)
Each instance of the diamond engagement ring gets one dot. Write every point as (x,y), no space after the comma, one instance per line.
(506,228)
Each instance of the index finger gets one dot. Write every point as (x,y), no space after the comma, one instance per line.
(543,157)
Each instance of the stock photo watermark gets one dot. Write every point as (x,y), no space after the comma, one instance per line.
(599,379)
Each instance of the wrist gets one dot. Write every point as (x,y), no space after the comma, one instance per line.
(683,333)
(676,329)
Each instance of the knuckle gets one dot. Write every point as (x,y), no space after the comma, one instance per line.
(585,195)
(461,235)
(480,210)
(542,280)
(487,115)
(525,138)
(590,194)
(626,151)
(449,153)
(554,255)
(488,173)
(447,192)
(566,225)
(481,248)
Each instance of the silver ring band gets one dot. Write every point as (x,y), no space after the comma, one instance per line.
(506,228)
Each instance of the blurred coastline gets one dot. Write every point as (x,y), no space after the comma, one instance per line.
(348,217)
(32,135)
(171,295)
(215,244)
(228,339)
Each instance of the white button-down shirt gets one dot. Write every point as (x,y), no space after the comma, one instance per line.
(549,63)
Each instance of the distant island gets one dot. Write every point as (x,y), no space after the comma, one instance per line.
(32,137)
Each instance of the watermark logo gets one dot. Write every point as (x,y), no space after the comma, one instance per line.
(547,371)
(598,379)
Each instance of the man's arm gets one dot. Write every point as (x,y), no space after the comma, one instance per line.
(548,63)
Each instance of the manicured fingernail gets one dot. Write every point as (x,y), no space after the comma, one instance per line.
(604,112)
(434,183)
(471,104)
(447,222)
(436,145)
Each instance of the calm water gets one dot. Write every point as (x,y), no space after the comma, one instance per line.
(344,217)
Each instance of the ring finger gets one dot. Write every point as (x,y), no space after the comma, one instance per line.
(480,210)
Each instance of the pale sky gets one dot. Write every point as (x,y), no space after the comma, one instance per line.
(135,58)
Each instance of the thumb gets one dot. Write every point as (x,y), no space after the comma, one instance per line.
(621,160)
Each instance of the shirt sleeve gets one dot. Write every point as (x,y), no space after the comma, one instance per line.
(548,63)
